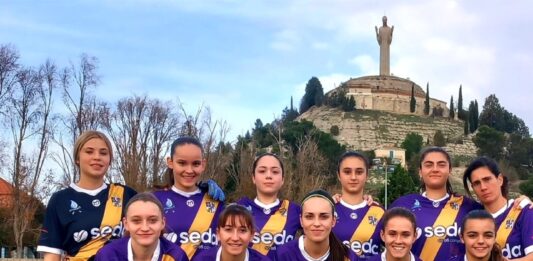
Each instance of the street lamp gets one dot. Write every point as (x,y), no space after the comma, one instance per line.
(386,182)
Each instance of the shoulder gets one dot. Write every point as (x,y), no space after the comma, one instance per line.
(115,248)
(244,201)
(404,200)
(207,255)
(288,248)
(295,206)
(171,249)
(255,255)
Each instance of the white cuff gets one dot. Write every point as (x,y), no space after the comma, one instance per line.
(50,250)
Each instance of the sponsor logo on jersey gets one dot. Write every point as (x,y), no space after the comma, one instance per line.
(439,231)
(512,251)
(416,205)
(80,236)
(195,237)
(96,203)
(115,231)
(74,207)
(368,248)
(190,203)
(269,238)
(169,206)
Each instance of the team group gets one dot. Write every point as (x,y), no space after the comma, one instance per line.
(188,220)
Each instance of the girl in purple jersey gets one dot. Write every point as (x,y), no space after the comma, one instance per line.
(353,211)
(398,234)
(235,230)
(478,233)
(191,214)
(80,219)
(144,224)
(277,221)
(514,225)
(318,241)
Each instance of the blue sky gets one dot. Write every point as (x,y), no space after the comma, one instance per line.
(245,59)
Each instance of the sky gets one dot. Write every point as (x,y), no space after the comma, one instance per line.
(245,59)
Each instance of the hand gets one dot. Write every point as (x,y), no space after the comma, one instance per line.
(522,200)
(369,200)
(212,189)
(337,198)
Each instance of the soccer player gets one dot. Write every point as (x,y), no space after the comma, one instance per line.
(80,219)
(358,223)
(398,234)
(514,225)
(478,233)
(318,241)
(191,214)
(143,223)
(277,221)
(234,231)
(438,210)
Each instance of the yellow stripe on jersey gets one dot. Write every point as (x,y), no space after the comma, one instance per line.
(112,216)
(507,226)
(367,227)
(445,219)
(274,225)
(202,222)
(167,258)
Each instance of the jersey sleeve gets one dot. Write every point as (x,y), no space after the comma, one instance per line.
(527,230)
(52,232)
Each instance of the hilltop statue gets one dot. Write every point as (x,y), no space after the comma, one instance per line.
(384,36)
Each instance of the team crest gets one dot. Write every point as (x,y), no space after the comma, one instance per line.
(116,202)
(372,220)
(416,205)
(169,206)
(454,205)
(74,207)
(509,224)
(210,207)
(283,212)
(249,208)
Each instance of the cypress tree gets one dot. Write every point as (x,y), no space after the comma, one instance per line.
(426,103)
(471,115)
(460,113)
(413,100)
(452,110)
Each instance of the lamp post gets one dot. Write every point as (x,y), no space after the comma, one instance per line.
(386,182)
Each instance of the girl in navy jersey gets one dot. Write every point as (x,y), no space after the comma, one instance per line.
(514,225)
(398,234)
(358,223)
(318,242)
(438,210)
(191,214)
(83,217)
(144,224)
(234,231)
(478,233)
(277,220)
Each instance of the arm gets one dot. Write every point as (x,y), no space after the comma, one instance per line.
(391,31)
(529,257)
(51,257)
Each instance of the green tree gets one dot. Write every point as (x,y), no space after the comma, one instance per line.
(472,117)
(489,142)
(466,129)
(452,109)
(289,114)
(334,130)
(412,104)
(439,139)
(399,184)
(348,104)
(527,187)
(476,113)
(314,95)
(497,117)
(426,102)
(412,144)
(460,113)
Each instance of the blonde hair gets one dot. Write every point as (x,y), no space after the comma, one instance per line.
(85,137)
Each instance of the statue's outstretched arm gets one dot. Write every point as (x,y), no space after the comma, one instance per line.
(391,31)
(377,34)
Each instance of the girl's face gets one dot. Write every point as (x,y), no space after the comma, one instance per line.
(268,176)
(144,222)
(352,175)
(187,165)
(435,170)
(94,158)
(486,185)
(235,238)
(317,219)
(479,236)
(398,236)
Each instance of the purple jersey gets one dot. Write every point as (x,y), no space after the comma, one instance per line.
(382,257)
(294,251)
(426,212)
(211,255)
(74,216)
(349,218)
(118,251)
(520,240)
(180,212)
(261,216)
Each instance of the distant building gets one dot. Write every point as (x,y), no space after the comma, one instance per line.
(396,155)
(6,191)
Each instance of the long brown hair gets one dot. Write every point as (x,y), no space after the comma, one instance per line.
(496,252)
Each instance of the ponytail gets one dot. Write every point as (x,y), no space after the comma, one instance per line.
(496,253)
(337,250)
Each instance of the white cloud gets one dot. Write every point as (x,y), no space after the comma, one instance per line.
(366,64)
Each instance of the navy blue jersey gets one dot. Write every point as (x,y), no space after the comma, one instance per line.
(75,218)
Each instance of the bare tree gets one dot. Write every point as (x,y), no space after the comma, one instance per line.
(9,57)
(31,104)
(141,128)
(84,111)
